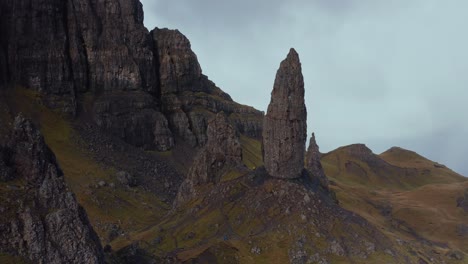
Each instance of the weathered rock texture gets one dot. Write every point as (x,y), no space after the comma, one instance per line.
(64,47)
(41,219)
(146,88)
(221,154)
(285,127)
(179,69)
(313,163)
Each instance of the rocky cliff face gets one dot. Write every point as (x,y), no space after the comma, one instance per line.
(285,126)
(40,217)
(62,48)
(221,154)
(146,88)
(178,65)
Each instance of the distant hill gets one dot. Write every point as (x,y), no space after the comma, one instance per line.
(402,192)
(396,168)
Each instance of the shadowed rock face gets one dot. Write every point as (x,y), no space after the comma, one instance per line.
(178,65)
(42,220)
(285,127)
(133,116)
(221,153)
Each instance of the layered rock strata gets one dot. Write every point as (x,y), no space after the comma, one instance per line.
(41,219)
(285,124)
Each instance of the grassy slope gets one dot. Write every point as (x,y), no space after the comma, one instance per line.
(251,152)
(413,211)
(409,159)
(210,226)
(424,204)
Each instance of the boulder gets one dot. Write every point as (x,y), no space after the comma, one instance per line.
(126,179)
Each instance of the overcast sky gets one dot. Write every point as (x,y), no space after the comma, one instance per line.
(383,73)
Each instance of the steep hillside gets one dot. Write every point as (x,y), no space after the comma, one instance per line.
(394,169)
(403,193)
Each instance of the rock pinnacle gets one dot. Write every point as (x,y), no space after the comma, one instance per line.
(285,127)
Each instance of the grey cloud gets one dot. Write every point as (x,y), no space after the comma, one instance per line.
(385,73)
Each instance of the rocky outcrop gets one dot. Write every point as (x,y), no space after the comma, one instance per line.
(285,127)
(313,163)
(221,154)
(41,219)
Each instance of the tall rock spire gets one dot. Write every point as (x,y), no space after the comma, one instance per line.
(285,127)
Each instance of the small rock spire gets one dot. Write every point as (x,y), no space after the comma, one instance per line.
(285,127)
(221,154)
(313,163)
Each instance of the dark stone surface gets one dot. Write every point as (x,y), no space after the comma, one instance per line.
(133,117)
(285,124)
